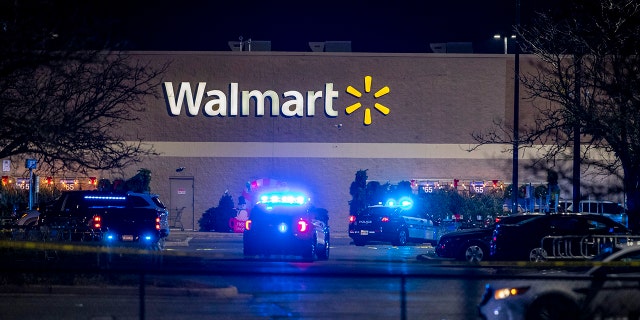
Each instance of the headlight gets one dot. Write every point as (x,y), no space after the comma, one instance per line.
(505,293)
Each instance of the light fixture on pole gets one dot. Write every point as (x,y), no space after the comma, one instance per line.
(505,38)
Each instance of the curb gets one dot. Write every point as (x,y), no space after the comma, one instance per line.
(222,292)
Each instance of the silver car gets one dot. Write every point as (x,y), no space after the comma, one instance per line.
(608,290)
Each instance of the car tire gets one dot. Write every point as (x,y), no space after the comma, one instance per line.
(401,238)
(309,253)
(323,252)
(474,253)
(160,244)
(538,255)
(553,307)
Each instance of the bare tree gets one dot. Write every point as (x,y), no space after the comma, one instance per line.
(589,80)
(64,96)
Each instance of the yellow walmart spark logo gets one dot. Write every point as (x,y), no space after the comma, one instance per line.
(367,111)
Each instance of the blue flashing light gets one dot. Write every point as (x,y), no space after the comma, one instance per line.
(283,199)
(147,238)
(405,203)
(121,198)
(110,237)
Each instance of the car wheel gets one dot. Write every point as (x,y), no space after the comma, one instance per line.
(155,257)
(401,238)
(159,245)
(309,252)
(538,255)
(323,254)
(473,253)
(553,307)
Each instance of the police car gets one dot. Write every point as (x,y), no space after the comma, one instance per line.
(285,224)
(394,222)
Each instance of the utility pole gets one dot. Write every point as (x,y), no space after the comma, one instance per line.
(516,117)
(576,133)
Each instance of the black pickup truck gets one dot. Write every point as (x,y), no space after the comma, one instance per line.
(112,218)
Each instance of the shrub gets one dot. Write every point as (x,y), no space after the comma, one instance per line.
(217,218)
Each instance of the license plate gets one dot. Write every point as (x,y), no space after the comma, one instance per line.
(364,232)
(127,237)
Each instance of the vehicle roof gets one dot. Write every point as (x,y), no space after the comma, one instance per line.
(103,192)
(582,216)
(517,217)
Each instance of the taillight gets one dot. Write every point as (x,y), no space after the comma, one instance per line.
(97,222)
(352,219)
(303,226)
(247,225)
(158,223)
(385,219)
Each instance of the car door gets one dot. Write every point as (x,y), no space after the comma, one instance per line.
(419,227)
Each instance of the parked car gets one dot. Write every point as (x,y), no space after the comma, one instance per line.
(609,290)
(114,218)
(610,209)
(283,224)
(571,236)
(472,245)
(28,218)
(397,224)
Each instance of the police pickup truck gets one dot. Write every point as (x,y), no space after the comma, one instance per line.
(113,218)
(397,224)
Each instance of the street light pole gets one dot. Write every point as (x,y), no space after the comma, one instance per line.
(516,112)
(505,38)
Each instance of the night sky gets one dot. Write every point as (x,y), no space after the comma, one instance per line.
(371,26)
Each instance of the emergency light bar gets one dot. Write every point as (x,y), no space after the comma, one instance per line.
(403,203)
(105,198)
(283,199)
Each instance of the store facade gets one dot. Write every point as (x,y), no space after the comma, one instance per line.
(315,119)
(222,121)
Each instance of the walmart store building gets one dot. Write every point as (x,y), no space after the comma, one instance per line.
(230,119)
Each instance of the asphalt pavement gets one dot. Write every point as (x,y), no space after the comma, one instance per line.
(177,235)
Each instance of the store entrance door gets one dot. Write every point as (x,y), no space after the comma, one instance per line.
(181,203)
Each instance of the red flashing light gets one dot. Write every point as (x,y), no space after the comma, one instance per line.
(303,226)
(385,219)
(247,225)
(5,180)
(352,219)
(97,222)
